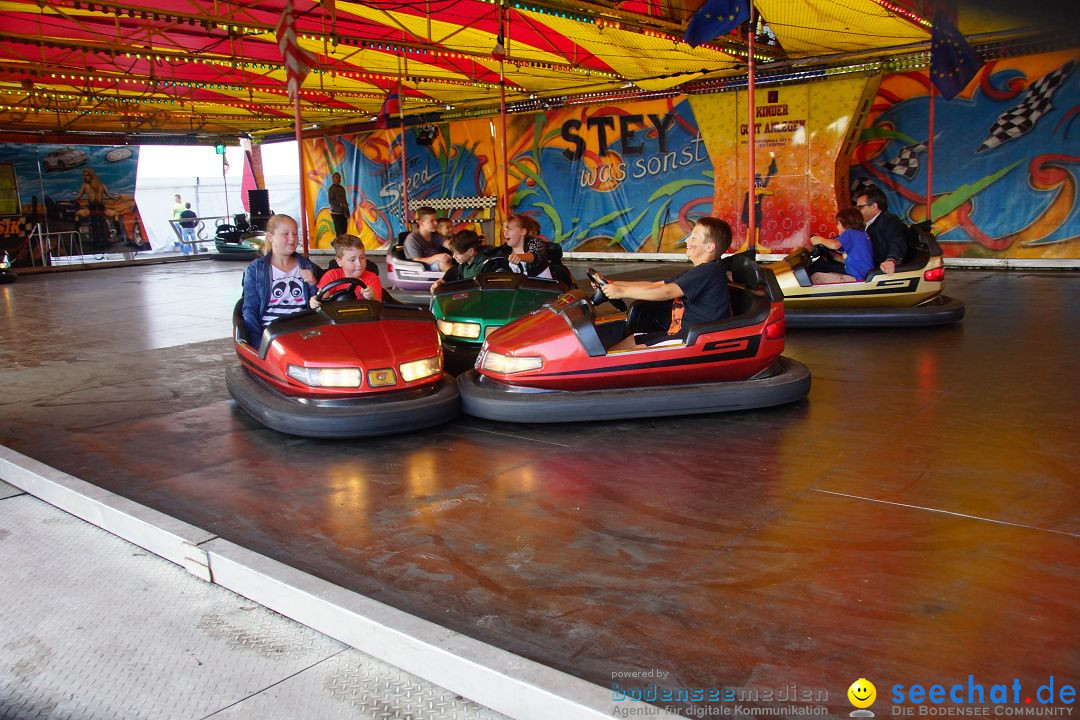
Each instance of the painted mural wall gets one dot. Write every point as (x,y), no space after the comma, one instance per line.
(1006,157)
(799,135)
(601,178)
(612,178)
(85,189)
(458,163)
(633,176)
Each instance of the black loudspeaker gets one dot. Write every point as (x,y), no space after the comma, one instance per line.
(426,134)
(259,202)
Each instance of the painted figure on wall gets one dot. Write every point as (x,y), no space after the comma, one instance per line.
(761,189)
(93,194)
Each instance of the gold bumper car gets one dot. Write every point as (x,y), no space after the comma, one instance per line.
(910,297)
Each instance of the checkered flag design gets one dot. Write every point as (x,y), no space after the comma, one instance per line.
(1020,119)
(906,163)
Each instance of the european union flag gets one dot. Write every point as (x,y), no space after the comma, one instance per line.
(952,61)
(715,18)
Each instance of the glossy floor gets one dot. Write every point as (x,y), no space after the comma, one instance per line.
(916,520)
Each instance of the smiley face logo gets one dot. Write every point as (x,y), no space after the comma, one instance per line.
(862,693)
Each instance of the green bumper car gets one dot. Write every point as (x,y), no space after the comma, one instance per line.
(467,311)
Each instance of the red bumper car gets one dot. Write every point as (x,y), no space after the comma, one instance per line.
(352,368)
(554,365)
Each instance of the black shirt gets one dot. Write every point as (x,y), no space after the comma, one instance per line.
(705,293)
(533,245)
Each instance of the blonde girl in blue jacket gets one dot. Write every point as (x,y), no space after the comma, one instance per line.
(279,283)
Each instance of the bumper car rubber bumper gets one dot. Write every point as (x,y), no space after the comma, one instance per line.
(786,381)
(7,276)
(942,310)
(362,417)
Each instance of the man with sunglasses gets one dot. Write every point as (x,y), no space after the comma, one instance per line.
(888,233)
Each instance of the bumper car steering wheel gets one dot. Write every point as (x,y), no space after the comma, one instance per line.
(599,281)
(495,265)
(342,290)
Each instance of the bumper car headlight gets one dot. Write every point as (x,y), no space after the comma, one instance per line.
(508,365)
(418,369)
(459,329)
(326,377)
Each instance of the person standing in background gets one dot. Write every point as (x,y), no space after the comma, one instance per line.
(187,230)
(339,205)
(178,207)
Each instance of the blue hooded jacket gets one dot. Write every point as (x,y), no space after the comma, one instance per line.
(256,298)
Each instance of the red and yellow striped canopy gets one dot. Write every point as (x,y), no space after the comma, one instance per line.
(201,68)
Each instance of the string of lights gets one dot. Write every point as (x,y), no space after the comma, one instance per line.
(251,29)
(186,102)
(223,60)
(417,49)
(179,57)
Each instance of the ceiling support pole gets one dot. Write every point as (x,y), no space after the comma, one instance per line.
(930,160)
(751,153)
(505,200)
(303,175)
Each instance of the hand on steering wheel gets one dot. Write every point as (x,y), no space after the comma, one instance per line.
(343,287)
(599,281)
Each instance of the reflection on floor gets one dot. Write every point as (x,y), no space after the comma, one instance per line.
(914,521)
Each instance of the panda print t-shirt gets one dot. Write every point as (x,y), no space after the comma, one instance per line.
(286,294)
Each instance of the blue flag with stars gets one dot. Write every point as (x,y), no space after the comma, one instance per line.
(715,18)
(952,61)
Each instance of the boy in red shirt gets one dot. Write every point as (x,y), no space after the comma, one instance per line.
(352,263)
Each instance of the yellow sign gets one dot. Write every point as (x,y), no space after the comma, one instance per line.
(9,190)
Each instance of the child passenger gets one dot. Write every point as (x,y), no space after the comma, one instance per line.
(855,245)
(470,253)
(425,244)
(524,246)
(352,263)
(445,227)
(280,282)
(699,295)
